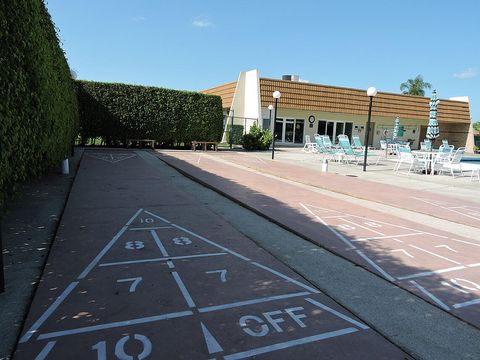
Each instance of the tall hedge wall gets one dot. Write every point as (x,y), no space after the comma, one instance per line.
(38,104)
(117,112)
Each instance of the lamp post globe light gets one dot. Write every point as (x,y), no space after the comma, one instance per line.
(276,95)
(371,92)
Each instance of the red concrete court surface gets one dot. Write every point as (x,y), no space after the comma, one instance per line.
(441,267)
(141,270)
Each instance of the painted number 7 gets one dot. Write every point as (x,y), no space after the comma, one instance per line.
(223,274)
(135,281)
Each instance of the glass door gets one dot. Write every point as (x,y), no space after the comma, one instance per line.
(348,130)
(299,126)
(330,129)
(289,130)
(279,130)
(338,129)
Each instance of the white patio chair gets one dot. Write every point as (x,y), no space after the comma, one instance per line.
(454,163)
(405,156)
(309,147)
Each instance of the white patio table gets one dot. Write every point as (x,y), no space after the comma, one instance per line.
(429,156)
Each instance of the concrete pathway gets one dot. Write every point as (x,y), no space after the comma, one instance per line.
(142,269)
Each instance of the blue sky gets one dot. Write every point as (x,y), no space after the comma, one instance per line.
(197,44)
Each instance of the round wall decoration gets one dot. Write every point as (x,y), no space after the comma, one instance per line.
(311,119)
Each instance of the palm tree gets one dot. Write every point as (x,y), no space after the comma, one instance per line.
(415,86)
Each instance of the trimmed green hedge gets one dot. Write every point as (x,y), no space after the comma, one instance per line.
(116,112)
(237,133)
(38,104)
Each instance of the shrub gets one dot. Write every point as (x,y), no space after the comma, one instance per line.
(237,134)
(257,139)
(117,112)
(38,107)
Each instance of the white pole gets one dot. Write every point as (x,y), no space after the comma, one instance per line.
(65,167)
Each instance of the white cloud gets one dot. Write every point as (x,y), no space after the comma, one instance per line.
(466,74)
(139,18)
(202,23)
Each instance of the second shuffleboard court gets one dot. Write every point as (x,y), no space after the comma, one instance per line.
(441,269)
(158,290)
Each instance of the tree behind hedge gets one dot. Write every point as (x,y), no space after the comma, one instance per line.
(38,105)
(116,112)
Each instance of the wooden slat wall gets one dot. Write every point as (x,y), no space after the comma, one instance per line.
(325,98)
(225,91)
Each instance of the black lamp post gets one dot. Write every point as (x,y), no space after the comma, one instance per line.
(276,96)
(371,92)
(270,108)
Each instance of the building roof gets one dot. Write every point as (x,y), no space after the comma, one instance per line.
(225,91)
(334,99)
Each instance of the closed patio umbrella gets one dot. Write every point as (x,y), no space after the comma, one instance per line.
(396,129)
(433,130)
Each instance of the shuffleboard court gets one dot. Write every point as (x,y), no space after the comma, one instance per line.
(440,267)
(445,206)
(173,280)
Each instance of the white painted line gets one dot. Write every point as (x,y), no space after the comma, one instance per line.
(446,247)
(43,354)
(449,209)
(48,312)
(432,253)
(339,314)
(160,259)
(474,265)
(404,252)
(467,303)
(159,243)
(150,228)
(306,287)
(158,217)
(428,273)
(250,302)
(323,209)
(466,242)
(288,344)
(386,237)
(107,247)
(378,268)
(183,289)
(365,227)
(116,324)
(336,216)
(212,243)
(306,208)
(398,226)
(430,295)
(212,344)
(170,264)
(337,234)
(133,217)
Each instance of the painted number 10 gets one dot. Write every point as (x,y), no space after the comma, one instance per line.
(101,348)
(146,220)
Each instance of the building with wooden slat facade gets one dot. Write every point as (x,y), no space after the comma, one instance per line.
(308,109)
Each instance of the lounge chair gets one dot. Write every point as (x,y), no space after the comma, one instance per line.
(349,154)
(357,143)
(326,152)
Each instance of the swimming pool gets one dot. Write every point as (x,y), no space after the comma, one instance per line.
(471,160)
